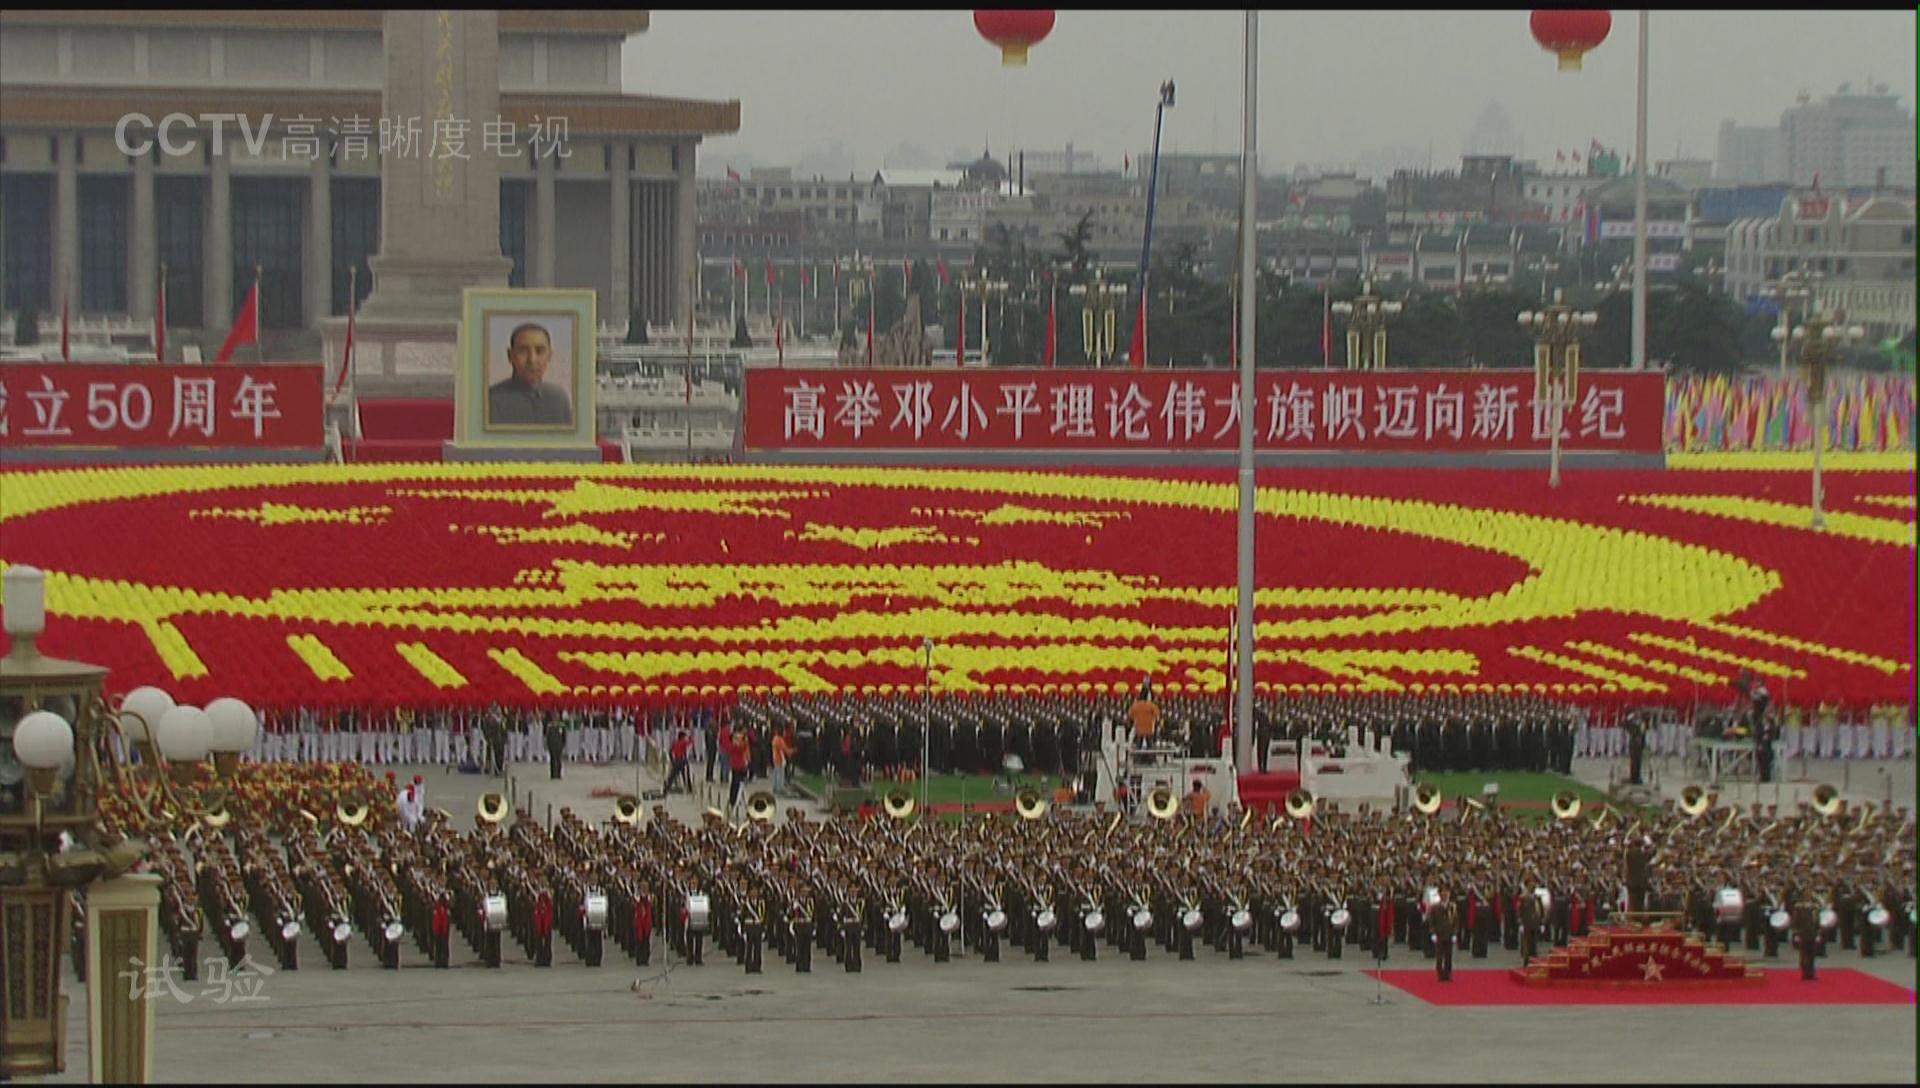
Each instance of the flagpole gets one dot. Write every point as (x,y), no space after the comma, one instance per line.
(160,320)
(1243,687)
(1640,209)
(259,350)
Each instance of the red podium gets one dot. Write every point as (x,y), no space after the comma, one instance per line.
(1636,957)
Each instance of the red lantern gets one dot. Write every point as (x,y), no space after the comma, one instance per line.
(1013,31)
(1571,33)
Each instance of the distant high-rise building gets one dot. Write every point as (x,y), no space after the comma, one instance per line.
(1493,133)
(1846,140)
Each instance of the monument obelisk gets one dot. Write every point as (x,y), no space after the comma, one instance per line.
(439,203)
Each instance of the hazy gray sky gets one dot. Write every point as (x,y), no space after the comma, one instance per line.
(1333,85)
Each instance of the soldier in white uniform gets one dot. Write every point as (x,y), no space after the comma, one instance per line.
(1828,725)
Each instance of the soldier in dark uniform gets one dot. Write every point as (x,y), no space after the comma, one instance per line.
(1480,744)
(966,744)
(1441,921)
(993,744)
(556,743)
(1529,927)
(881,750)
(1806,935)
(494,732)
(910,745)
(1636,747)
(1639,864)
(940,744)
(710,731)
(1019,741)
(1045,739)
(1067,741)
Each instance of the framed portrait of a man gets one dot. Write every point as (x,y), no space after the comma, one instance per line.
(527,368)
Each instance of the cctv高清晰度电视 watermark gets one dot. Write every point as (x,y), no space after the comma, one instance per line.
(343,138)
(222,983)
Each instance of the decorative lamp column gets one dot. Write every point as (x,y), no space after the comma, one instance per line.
(1557,330)
(1818,338)
(234,727)
(1366,319)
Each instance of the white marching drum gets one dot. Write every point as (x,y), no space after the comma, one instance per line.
(1289,920)
(1340,918)
(289,931)
(950,922)
(699,912)
(1878,917)
(897,922)
(1191,919)
(996,920)
(1143,919)
(1779,919)
(1241,921)
(1828,919)
(341,931)
(1095,921)
(1729,905)
(239,930)
(1045,920)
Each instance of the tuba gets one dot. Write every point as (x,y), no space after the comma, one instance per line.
(350,813)
(1300,803)
(763,806)
(1566,805)
(898,803)
(626,810)
(1029,804)
(1162,803)
(1427,798)
(217,816)
(491,808)
(1694,800)
(1826,799)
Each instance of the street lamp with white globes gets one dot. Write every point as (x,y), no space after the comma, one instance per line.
(1557,330)
(57,739)
(1817,338)
(1366,318)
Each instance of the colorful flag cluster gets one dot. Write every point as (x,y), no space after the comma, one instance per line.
(1869,412)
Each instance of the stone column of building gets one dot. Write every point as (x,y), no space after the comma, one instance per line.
(618,306)
(218,276)
(143,261)
(66,223)
(543,217)
(686,228)
(319,247)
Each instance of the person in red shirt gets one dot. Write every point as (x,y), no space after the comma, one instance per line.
(681,750)
(739,752)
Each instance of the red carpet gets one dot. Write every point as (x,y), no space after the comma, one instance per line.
(1833,986)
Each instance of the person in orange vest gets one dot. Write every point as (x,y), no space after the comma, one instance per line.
(783,748)
(1200,799)
(1145,715)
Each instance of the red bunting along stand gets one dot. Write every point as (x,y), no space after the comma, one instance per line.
(115,412)
(1323,415)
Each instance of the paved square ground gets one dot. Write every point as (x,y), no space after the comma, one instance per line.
(1258,1019)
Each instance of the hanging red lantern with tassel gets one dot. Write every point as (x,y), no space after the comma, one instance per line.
(1013,31)
(1570,33)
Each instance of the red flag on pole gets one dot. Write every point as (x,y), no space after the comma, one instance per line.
(160,320)
(732,174)
(941,269)
(1053,308)
(246,327)
(779,336)
(769,271)
(1137,354)
(66,335)
(906,275)
(960,343)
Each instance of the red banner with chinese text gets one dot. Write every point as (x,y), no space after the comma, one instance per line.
(1439,411)
(267,406)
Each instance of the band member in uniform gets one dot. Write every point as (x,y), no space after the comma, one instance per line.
(1441,922)
(556,742)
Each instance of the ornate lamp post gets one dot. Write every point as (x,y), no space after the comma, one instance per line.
(1366,319)
(1795,288)
(1817,339)
(1557,330)
(1100,317)
(61,746)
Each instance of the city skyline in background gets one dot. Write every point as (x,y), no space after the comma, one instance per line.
(850,92)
